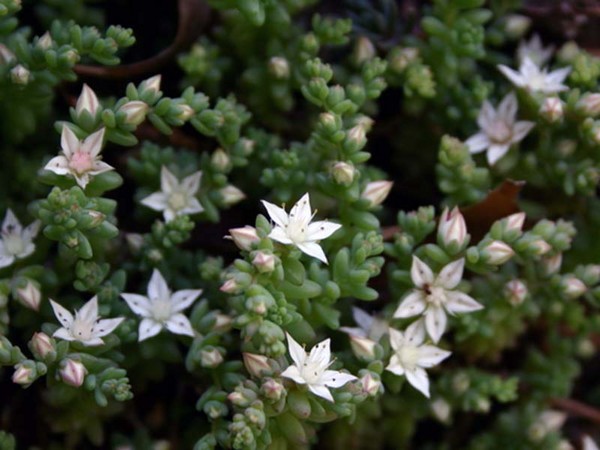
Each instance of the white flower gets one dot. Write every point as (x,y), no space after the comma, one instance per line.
(161,308)
(499,130)
(297,229)
(16,242)
(536,79)
(435,296)
(589,444)
(85,326)
(534,50)
(80,159)
(312,369)
(175,198)
(411,357)
(370,327)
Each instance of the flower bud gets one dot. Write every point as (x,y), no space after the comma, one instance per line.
(210,358)
(552,109)
(589,104)
(257,365)
(515,222)
(220,160)
(244,237)
(377,191)
(279,67)
(515,292)
(516,25)
(364,50)
(72,372)
(573,287)
(135,112)
(231,195)
(343,173)
(247,146)
(551,264)
(264,262)
(20,75)
(441,410)
(230,287)
(329,121)
(362,347)
(222,322)
(548,422)
(6,56)
(498,253)
(370,384)
(45,41)
(272,389)
(24,374)
(30,295)
(152,84)
(42,346)
(452,228)
(135,241)
(539,247)
(87,101)
(72,57)
(401,58)
(186,112)
(356,138)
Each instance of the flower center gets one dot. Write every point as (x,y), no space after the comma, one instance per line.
(500,132)
(408,356)
(177,200)
(435,295)
(537,81)
(296,231)
(81,330)
(311,372)
(161,310)
(81,162)
(13,243)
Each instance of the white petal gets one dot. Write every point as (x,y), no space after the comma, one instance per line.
(412,305)
(435,322)
(529,69)
(68,141)
(31,230)
(394,366)
(93,341)
(6,260)
(157,287)
(81,179)
(148,328)
(451,274)
(362,318)
(313,249)
(321,230)
(59,165)
(354,331)
(156,201)
(520,130)
(558,76)
(301,210)
(169,214)
(28,250)
(418,379)
(293,373)
(396,339)
(179,324)
(459,302)
(181,300)
(507,110)
(277,214)
(478,143)
(321,391)
(93,143)
(415,333)
(486,116)
(320,354)
(335,378)
(62,314)
(89,311)
(278,234)
(495,152)
(430,355)
(515,77)
(168,181)
(63,333)
(191,183)
(296,351)
(192,207)
(138,304)
(420,273)
(11,224)
(106,326)
(99,167)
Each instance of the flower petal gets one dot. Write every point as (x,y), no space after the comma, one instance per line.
(293,373)
(106,326)
(11,224)
(193,207)
(396,339)
(321,391)
(301,211)
(558,76)
(395,366)
(451,274)
(420,273)
(63,333)
(435,322)
(6,260)
(313,249)
(477,143)
(354,331)
(168,181)
(278,234)
(296,351)
(362,318)
(68,141)
(99,167)
(62,314)
(179,324)
(92,341)
(495,152)
(147,329)
(515,77)
(520,130)
(156,201)
(412,305)
(486,116)
(507,110)
(320,354)
(419,380)
(335,378)
(459,302)
(59,165)
(93,143)
(31,230)
(277,214)
(415,333)
(191,183)
(89,311)
(138,304)
(157,287)
(321,230)
(430,355)
(181,300)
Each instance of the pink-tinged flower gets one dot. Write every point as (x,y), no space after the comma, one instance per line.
(435,296)
(411,357)
(23,375)
(16,242)
(161,308)
(244,237)
(85,327)
(72,372)
(498,129)
(87,101)
(536,79)
(312,370)
(377,191)
(30,295)
(298,229)
(41,345)
(452,227)
(175,198)
(498,252)
(79,159)
(515,292)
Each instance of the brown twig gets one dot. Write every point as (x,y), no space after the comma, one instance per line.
(193,17)
(577,408)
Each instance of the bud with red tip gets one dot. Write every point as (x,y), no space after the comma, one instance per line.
(515,292)
(452,229)
(30,295)
(244,237)
(42,346)
(264,262)
(377,191)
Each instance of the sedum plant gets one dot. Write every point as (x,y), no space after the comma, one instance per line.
(301,224)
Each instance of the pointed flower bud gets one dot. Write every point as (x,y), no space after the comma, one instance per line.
(452,228)
(222,322)
(377,191)
(370,384)
(441,410)
(87,101)
(356,138)
(45,41)
(257,365)
(515,292)
(264,262)
(135,241)
(186,112)
(30,295)
(364,50)
(210,358)
(539,247)
(272,389)
(135,112)
(552,109)
(24,374)
(72,372)
(362,347)
(220,160)
(343,173)
(515,222)
(230,287)
(279,67)
(20,75)
(6,56)
(498,252)
(244,237)
(589,104)
(231,195)
(573,287)
(152,83)
(42,346)
(551,264)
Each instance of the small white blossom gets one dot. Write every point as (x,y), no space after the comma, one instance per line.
(411,357)
(311,369)
(16,242)
(370,327)
(161,308)
(175,198)
(536,79)
(85,327)
(535,51)
(499,129)
(80,159)
(435,296)
(297,228)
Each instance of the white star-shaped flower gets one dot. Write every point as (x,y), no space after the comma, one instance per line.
(312,370)
(80,159)
(435,295)
(297,228)
(16,242)
(175,198)
(499,129)
(411,357)
(85,326)
(369,327)
(534,50)
(161,308)
(536,79)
